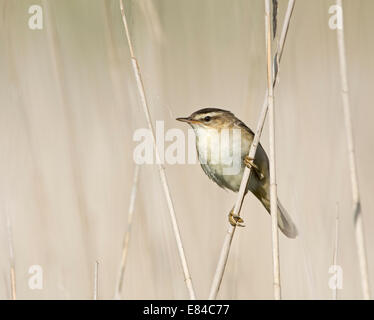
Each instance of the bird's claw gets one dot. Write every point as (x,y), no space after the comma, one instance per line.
(235,220)
(249,163)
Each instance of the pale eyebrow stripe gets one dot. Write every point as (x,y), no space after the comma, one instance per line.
(210,114)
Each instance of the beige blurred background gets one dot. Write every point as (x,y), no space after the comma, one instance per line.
(69,107)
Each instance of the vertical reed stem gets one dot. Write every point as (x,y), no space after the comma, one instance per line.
(96,281)
(13,295)
(221,265)
(164,182)
(273,182)
(357,214)
(335,256)
(13,283)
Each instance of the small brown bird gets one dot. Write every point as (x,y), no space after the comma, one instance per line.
(203,121)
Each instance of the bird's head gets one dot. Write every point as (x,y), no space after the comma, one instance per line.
(210,118)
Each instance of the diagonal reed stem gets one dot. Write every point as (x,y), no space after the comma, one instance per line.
(221,265)
(357,214)
(164,182)
(126,239)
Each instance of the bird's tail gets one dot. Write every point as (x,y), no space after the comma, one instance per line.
(285,222)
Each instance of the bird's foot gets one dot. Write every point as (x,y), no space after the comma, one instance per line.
(249,163)
(235,220)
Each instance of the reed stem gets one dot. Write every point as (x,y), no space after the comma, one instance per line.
(13,295)
(96,281)
(335,255)
(272,167)
(164,182)
(221,265)
(357,213)
(126,239)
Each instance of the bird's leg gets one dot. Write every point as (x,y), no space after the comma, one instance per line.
(249,163)
(235,220)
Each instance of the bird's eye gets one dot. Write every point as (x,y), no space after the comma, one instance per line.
(207,118)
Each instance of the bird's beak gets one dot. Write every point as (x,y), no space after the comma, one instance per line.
(183,119)
(188,120)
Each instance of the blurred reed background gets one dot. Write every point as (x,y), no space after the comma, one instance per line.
(69,107)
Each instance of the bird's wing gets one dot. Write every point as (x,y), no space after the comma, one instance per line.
(261,158)
(244,127)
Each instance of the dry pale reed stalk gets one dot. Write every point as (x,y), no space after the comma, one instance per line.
(221,265)
(13,283)
(272,167)
(12,260)
(335,255)
(96,281)
(358,220)
(126,238)
(164,182)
